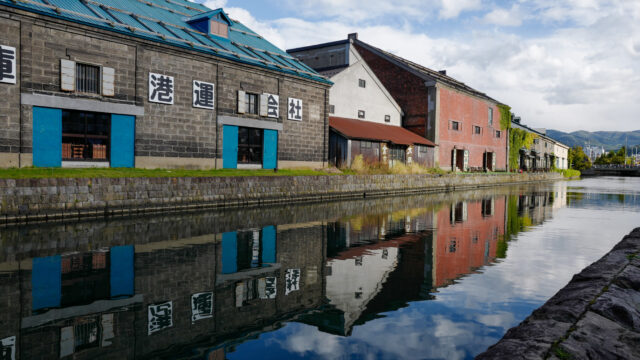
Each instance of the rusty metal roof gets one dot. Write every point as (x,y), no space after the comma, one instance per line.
(366,130)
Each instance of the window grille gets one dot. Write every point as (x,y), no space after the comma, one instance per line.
(87,78)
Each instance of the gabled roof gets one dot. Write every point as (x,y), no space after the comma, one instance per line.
(366,130)
(423,72)
(167,22)
(211,14)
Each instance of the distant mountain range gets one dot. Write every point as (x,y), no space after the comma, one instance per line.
(610,140)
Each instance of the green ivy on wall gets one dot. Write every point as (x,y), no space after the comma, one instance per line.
(505,116)
(518,139)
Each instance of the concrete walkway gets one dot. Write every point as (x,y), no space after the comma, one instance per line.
(596,316)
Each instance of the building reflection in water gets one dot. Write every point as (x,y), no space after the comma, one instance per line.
(172,287)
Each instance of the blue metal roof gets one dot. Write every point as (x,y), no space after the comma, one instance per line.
(167,21)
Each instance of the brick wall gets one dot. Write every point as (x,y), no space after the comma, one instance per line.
(469,111)
(408,91)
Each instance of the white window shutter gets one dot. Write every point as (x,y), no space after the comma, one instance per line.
(242,104)
(108,81)
(264,101)
(67,75)
(493,162)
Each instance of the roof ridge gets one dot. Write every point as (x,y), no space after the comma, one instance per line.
(430,72)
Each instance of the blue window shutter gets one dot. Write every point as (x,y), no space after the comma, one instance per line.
(121,274)
(47,137)
(230,147)
(269,245)
(270,149)
(229,253)
(123,129)
(46,282)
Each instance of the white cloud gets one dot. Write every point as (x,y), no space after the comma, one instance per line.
(214,4)
(453,8)
(505,17)
(579,66)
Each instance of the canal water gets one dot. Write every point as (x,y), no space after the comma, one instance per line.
(412,277)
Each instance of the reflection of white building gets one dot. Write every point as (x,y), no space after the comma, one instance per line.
(559,195)
(356,276)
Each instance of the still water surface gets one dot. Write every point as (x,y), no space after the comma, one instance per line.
(418,277)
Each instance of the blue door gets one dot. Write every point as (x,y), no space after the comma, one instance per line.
(269,245)
(270,149)
(230,147)
(229,253)
(46,282)
(47,137)
(121,274)
(122,141)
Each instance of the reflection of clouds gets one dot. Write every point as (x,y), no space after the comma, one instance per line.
(309,340)
(502,319)
(469,316)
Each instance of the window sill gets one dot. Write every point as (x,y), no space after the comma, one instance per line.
(85,164)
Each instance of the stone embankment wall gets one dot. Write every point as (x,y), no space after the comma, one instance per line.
(25,200)
(596,316)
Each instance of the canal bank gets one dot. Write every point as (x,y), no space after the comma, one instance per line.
(31,200)
(596,316)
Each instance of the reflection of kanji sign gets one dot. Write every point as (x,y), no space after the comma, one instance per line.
(292,280)
(7,64)
(201,306)
(203,94)
(267,288)
(8,348)
(295,109)
(161,88)
(160,316)
(273,106)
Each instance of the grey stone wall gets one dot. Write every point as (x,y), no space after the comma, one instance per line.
(24,200)
(9,93)
(165,131)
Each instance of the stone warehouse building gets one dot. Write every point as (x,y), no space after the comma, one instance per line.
(462,121)
(364,118)
(151,84)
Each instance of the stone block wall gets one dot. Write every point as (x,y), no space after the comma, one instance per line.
(10,95)
(24,200)
(166,136)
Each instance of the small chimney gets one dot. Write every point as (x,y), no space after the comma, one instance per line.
(353,36)
(443,72)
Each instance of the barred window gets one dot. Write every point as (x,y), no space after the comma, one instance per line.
(362,83)
(252,103)
(87,78)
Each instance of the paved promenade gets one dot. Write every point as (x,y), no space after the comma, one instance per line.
(596,316)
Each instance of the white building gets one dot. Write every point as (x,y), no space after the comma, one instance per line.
(561,152)
(364,118)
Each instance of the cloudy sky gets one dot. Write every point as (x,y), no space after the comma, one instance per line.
(567,65)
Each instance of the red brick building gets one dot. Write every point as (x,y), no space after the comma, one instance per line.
(463,122)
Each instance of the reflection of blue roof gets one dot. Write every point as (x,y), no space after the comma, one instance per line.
(167,21)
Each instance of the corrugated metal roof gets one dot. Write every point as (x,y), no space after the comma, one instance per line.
(366,130)
(165,21)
